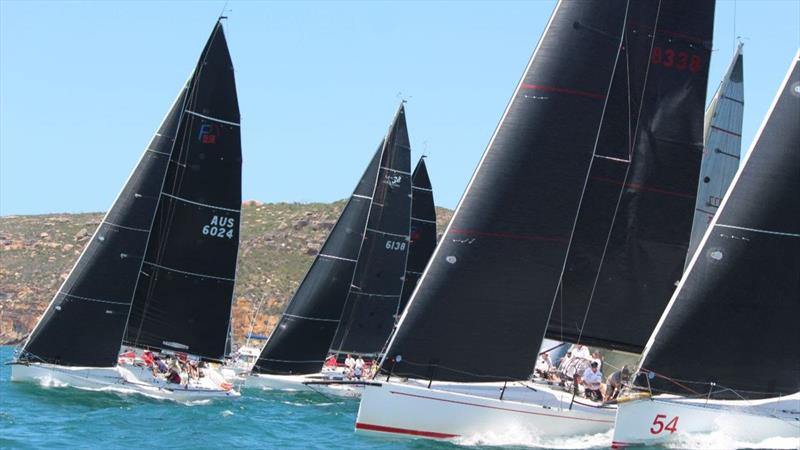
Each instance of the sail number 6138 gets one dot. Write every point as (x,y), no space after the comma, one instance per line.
(659,425)
(395,245)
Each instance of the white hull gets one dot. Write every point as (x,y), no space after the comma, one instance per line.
(121,379)
(670,418)
(323,383)
(465,410)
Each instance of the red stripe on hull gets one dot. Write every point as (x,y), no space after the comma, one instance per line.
(501,409)
(406,431)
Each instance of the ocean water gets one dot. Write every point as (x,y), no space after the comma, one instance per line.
(33,416)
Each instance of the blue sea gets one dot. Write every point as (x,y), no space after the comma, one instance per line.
(34,417)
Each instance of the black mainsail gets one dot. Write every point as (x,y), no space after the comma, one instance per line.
(629,244)
(723,145)
(483,303)
(99,290)
(422,236)
(303,335)
(184,292)
(369,312)
(733,319)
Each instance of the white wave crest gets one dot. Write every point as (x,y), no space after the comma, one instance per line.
(526,438)
(722,439)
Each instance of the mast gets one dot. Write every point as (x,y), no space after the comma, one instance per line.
(300,341)
(482,306)
(722,150)
(730,329)
(369,312)
(184,294)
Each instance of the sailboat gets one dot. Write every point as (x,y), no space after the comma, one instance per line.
(159,271)
(361,264)
(575,224)
(702,370)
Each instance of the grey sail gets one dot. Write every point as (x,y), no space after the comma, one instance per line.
(730,330)
(722,150)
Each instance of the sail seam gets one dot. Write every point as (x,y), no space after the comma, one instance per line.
(377,295)
(156,151)
(423,220)
(741,102)
(421,188)
(93,299)
(310,318)
(626,161)
(395,170)
(756,230)
(124,227)
(206,205)
(387,233)
(212,118)
(194,274)
(337,257)
(362,196)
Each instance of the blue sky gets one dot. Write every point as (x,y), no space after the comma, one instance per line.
(83,85)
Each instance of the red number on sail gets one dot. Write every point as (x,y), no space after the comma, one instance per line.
(694,65)
(683,61)
(656,55)
(670,57)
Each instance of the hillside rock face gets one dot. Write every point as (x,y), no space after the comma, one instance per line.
(278,243)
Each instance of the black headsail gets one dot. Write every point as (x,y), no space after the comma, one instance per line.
(84,323)
(422,236)
(302,337)
(733,318)
(482,305)
(723,145)
(185,289)
(369,313)
(629,245)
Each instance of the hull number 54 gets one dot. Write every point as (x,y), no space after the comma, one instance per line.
(660,424)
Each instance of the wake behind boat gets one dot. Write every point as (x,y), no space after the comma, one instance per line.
(157,276)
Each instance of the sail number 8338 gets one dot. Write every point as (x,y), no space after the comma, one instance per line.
(221,227)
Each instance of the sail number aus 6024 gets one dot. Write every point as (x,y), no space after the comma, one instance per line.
(221,227)
(659,425)
(395,245)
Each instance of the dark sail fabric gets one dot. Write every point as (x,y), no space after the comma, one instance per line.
(733,319)
(83,325)
(422,236)
(302,337)
(369,312)
(482,304)
(722,150)
(185,290)
(628,248)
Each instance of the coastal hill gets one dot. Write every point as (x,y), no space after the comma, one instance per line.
(278,243)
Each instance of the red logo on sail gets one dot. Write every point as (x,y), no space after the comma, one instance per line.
(208,133)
